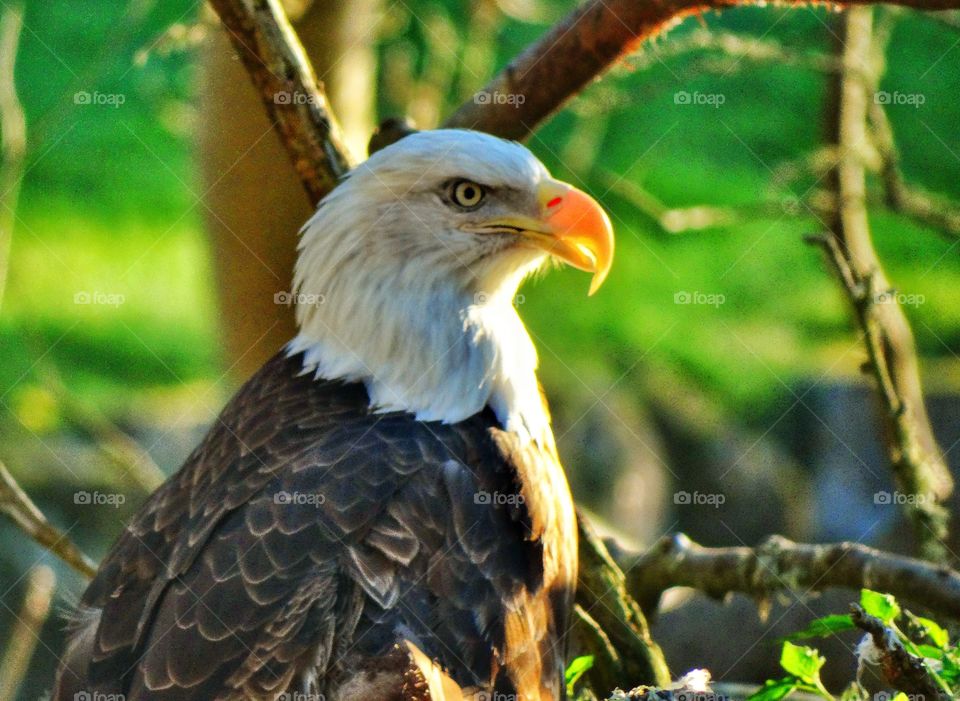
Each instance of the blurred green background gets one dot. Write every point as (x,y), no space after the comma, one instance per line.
(109,207)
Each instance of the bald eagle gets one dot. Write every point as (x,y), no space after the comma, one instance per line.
(379,513)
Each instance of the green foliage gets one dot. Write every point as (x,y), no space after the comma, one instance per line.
(923,638)
(576,669)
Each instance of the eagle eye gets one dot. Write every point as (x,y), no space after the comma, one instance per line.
(466,194)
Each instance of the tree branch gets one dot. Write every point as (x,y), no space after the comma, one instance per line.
(612,622)
(25,631)
(905,672)
(918,465)
(294,98)
(580,48)
(779,564)
(15,503)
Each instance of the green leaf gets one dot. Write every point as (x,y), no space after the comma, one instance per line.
(824,627)
(931,652)
(774,690)
(937,635)
(576,669)
(883,606)
(802,662)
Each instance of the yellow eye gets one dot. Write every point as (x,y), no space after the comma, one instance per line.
(466,193)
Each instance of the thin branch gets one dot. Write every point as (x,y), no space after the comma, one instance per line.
(14,133)
(20,509)
(779,564)
(25,631)
(918,465)
(294,98)
(902,670)
(933,210)
(580,48)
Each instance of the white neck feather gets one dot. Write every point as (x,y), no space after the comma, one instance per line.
(418,341)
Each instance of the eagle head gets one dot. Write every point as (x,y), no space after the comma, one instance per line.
(407,274)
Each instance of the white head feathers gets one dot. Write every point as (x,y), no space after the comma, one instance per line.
(399,296)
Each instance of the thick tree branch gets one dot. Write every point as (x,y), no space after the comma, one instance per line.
(15,503)
(580,48)
(13,128)
(294,99)
(612,623)
(779,564)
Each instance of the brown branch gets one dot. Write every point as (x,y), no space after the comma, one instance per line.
(580,48)
(25,631)
(779,564)
(294,98)
(902,670)
(624,653)
(20,509)
(918,465)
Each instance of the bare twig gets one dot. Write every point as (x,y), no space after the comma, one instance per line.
(294,98)
(15,503)
(25,631)
(779,564)
(732,48)
(918,465)
(14,133)
(132,462)
(902,670)
(930,209)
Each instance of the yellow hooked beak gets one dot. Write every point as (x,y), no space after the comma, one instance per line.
(572,226)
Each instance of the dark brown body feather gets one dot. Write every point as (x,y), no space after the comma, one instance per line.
(309,546)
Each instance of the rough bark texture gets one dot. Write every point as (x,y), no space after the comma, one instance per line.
(612,624)
(779,564)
